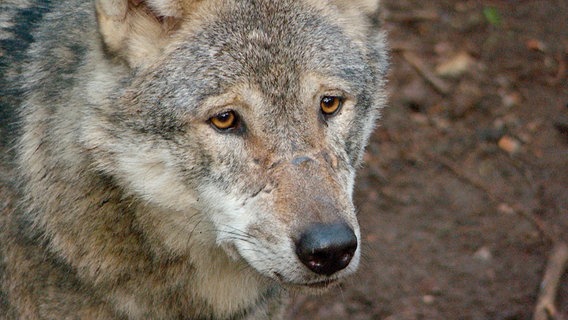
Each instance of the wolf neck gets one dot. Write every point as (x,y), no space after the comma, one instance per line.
(229,287)
(121,250)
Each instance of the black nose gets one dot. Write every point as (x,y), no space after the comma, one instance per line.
(326,248)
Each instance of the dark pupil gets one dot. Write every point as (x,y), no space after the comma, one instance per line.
(224,117)
(328,101)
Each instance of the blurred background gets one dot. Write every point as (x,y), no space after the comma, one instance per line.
(464,193)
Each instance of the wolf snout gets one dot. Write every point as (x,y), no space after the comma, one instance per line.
(326,248)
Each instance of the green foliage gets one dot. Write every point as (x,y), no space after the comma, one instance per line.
(492,16)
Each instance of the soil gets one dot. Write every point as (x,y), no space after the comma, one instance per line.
(465,183)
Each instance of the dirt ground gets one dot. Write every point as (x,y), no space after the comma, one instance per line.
(466,178)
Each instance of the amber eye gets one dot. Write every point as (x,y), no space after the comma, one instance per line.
(330,105)
(225,121)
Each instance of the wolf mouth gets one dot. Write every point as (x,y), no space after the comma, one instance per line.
(324,284)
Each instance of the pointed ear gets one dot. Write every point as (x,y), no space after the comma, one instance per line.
(364,26)
(368,7)
(359,17)
(138,30)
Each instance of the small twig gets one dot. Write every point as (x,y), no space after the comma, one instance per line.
(437,83)
(545,307)
(561,73)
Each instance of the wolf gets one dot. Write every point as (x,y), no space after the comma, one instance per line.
(182,159)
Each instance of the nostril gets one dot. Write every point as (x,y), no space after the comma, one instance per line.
(326,248)
(346,257)
(315,262)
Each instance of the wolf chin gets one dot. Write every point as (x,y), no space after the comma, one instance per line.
(181,159)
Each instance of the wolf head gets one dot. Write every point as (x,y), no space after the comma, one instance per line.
(242,121)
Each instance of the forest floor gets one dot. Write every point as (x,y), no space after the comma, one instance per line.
(465,189)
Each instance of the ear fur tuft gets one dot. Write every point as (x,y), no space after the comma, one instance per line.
(137,30)
(368,7)
(166,8)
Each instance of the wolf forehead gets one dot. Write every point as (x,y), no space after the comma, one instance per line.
(267,44)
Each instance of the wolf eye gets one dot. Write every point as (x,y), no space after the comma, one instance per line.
(330,105)
(225,121)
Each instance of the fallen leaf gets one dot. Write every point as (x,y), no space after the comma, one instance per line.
(455,66)
(509,144)
(535,45)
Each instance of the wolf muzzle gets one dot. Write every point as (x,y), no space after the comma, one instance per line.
(319,210)
(326,248)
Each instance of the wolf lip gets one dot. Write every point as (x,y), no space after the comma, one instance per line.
(321,284)
(313,285)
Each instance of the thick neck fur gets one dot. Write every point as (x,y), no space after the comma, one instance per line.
(116,250)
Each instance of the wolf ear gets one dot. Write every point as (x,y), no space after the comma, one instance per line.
(360,17)
(363,17)
(358,14)
(138,30)
(367,7)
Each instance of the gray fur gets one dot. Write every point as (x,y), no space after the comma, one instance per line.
(127,203)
